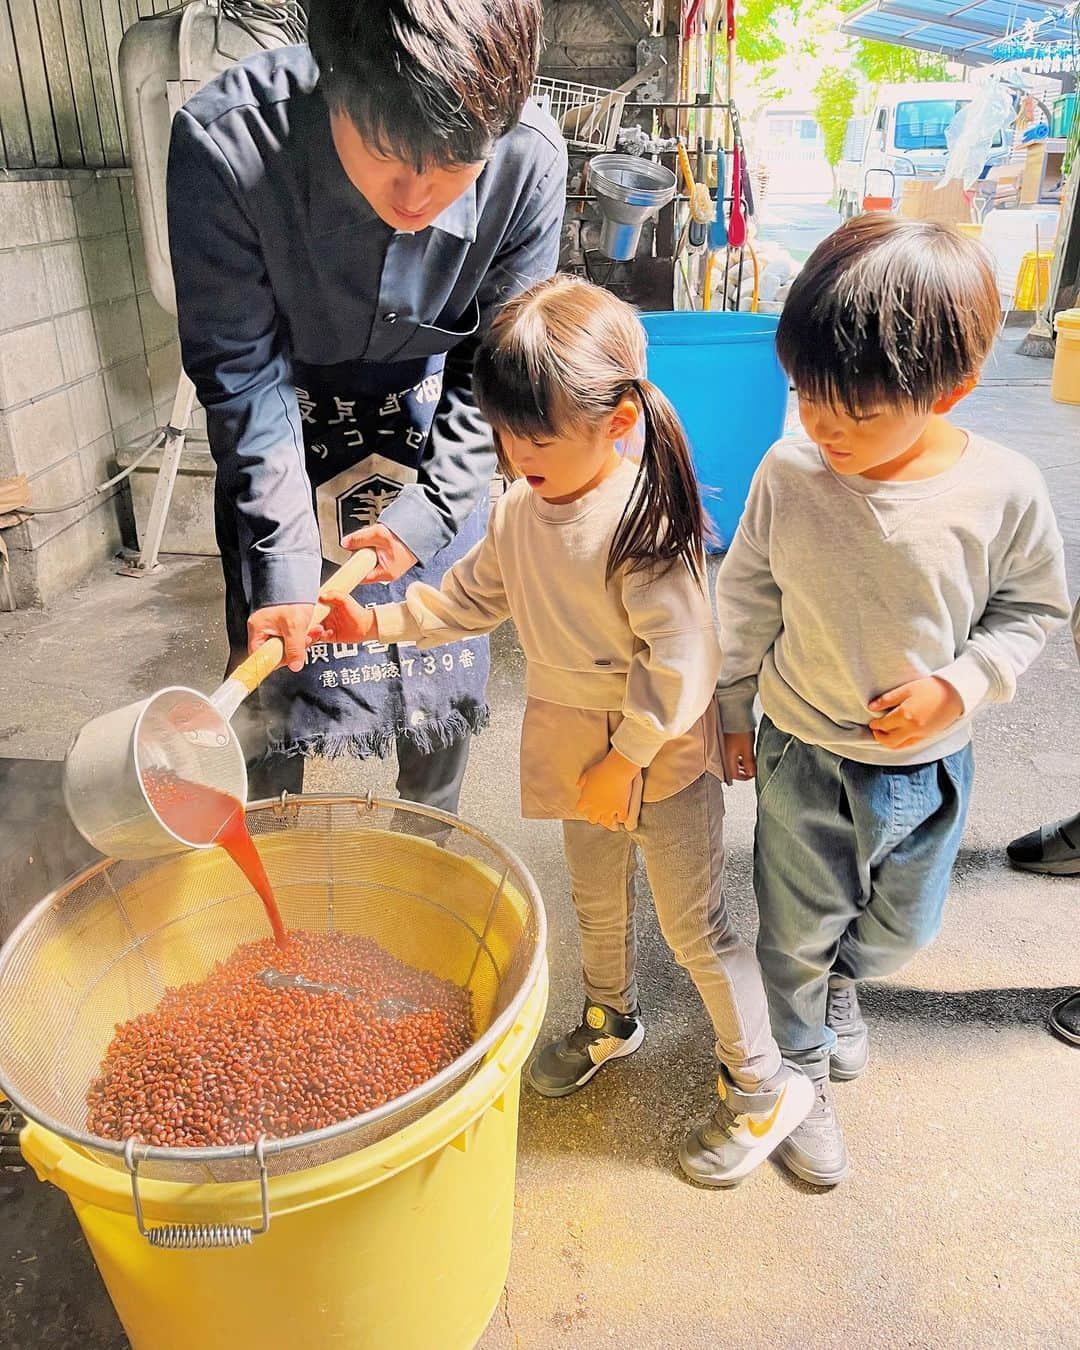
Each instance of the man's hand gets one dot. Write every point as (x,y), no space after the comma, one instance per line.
(288,622)
(347,621)
(606,789)
(921,709)
(394,558)
(739,755)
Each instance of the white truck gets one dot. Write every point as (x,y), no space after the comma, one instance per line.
(903,137)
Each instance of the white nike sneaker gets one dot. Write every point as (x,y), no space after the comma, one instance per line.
(744,1129)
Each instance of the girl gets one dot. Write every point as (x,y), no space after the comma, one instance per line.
(600,564)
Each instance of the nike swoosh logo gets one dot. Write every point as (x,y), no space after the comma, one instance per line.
(760,1131)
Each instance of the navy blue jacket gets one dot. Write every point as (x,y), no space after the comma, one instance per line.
(277,257)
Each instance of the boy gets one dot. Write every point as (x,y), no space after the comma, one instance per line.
(891,574)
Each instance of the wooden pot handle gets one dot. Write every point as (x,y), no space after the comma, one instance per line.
(265,661)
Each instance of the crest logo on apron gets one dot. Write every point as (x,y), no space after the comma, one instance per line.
(355,498)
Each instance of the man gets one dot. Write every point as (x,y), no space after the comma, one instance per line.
(1054,850)
(344,220)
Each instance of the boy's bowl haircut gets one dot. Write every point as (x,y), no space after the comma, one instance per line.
(889,312)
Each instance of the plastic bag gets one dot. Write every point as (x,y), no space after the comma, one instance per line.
(971,134)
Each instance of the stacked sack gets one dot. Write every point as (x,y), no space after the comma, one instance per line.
(778,270)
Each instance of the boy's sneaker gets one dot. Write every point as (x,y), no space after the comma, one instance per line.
(744,1129)
(843,1016)
(815,1151)
(568,1063)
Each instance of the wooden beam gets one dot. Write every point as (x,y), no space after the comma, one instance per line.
(15,139)
(114,31)
(101,72)
(82,83)
(61,90)
(35,83)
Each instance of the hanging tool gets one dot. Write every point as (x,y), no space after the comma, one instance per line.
(736,221)
(731,56)
(686,91)
(718,235)
(700,203)
(711,32)
(702,215)
(747,182)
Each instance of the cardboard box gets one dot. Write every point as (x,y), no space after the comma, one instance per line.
(923,199)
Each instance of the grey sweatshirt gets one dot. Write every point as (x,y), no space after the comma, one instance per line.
(836,590)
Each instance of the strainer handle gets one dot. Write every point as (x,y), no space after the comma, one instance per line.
(262,663)
(194,1236)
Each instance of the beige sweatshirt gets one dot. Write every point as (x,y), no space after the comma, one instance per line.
(644,645)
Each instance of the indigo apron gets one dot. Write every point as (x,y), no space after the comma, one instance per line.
(365,429)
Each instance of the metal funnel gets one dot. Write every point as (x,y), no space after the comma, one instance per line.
(628,190)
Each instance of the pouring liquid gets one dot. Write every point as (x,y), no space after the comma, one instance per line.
(202,815)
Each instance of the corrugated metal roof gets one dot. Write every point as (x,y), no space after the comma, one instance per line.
(974,32)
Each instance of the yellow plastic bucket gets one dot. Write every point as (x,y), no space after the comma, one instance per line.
(403,1245)
(1030,294)
(1065,381)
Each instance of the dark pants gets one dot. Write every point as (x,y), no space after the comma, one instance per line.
(433,780)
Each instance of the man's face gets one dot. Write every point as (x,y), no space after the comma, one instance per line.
(404,199)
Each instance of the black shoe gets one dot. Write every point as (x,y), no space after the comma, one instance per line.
(1053,850)
(568,1063)
(1064,1019)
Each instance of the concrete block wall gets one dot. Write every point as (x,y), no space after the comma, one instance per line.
(88,362)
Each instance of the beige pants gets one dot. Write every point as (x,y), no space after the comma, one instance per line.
(681,839)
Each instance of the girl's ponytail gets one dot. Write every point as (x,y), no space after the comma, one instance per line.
(663,522)
(565,354)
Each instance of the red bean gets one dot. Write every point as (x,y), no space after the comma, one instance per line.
(225,1060)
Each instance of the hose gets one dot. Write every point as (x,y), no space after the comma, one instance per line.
(155,441)
(264,19)
(755,297)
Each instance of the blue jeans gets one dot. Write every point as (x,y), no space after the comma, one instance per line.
(851,869)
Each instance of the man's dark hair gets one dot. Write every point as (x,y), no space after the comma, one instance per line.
(889,312)
(431,82)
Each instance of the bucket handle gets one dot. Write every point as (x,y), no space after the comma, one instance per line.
(189,1236)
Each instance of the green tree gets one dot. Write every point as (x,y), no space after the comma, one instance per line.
(757,41)
(834,104)
(882,63)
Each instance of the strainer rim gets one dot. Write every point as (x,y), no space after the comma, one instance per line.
(456,1069)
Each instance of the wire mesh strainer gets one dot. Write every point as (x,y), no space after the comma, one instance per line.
(105,947)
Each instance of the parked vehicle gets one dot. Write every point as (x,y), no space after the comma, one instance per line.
(903,136)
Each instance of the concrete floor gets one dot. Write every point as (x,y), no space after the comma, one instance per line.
(958,1226)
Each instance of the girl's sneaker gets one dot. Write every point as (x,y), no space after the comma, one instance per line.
(744,1129)
(568,1063)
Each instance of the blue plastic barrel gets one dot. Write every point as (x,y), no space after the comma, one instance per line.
(721,373)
